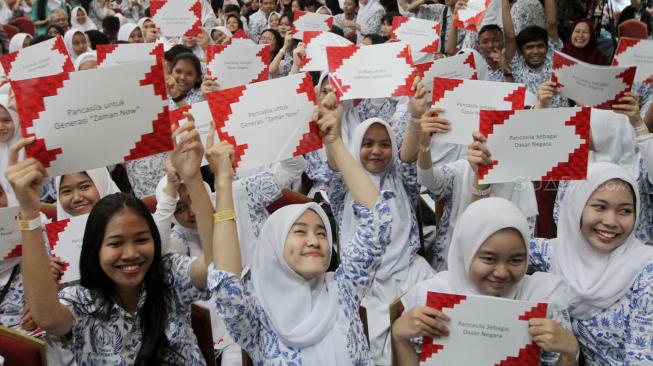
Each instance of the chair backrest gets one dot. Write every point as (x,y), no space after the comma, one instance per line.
(10,30)
(25,25)
(21,349)
(288,197)
(633,28)
(201,323)
(150,203)
(396,309)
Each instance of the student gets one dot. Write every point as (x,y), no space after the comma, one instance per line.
(41,12)
(108,319)
(489,256)
(80,19)
(608,268)
(147,26)
(368,19)
(220,35)
(186,70)
(438,12)
(9,135)
(348,15)
(55,30)
(130,32)
(76,43)
(19,41)
(285,24)
(582,44)
(77,193)
(294,250)
(86,61)
(258,21)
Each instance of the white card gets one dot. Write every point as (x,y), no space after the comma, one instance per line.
(65,239)
(307,21)
(536,144)
(176,18)
(471,16)
(462,101)
(235,64)
(357,71)
(591,85)
(316,43)
(483,331)
(268,121)
(639,52)
(43,59)
(10,236)
(462,66)
(203,121)
(125,119)
(109,55)
(422,35)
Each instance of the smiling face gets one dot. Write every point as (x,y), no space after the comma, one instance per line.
(349,7)
(79,43)
(609,216)
(183,211)
(185,75)
(376,149)
(232,24)
(77,194)
(127,250)
(136,36)
(306,250)
(499,263)
(7,126)
(580,37)
(274,21)
(490,41)
(81,16)
(284,25)
(267,6)
(269,39)
(534,53)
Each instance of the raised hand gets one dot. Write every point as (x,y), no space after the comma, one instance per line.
(419,102)
(421,321)
(26,177)
(545,92)
(209,84)
(478,153)
(220,157)
(329,115)
(629,107)
(187,154)
(432,123)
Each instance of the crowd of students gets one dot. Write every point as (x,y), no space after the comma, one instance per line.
(286,287)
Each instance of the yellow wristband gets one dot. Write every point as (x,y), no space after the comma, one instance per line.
(29,225)
(224,216)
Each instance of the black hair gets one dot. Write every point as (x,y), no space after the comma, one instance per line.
(532,33)
(376,38)
(388,17)
(288,15)
(96,37)
(189,56)
(279,41)
(170,54)
(153,314)
(489,28)
(111,23)
(333,5)
(231,8)
(390,6)
(57,27)
(312,3)
(41,9)
(39,39)
(240,22)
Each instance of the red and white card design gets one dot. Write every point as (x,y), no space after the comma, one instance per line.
(307,21)
(592,85)
(65,238)
(109,55)
(356,71)
(45,59)
(471,16)
(177,18)
(235,64)
(536,144)
(462,101)
(462,66)
(240,38)
(316,43)
(422,35)
(639,52)
(95,129)
(10,236)
(203,121)
(268,121)
(494,329)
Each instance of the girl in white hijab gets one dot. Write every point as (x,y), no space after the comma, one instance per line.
(76,43)
(102,184)
(296,312)
(86,61)
(79,20)
(19,41)
(609,270)
(504,259)
(368,19)
(10,133)
(130,32)
(220,35)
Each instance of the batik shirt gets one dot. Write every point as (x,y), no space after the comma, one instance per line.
(616,336)
(250,326)
(102,335)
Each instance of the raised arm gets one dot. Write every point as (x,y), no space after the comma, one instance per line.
(452,33)
(186,158)
(359,183)
(551,20)
(510,38)
(274,65)
(226,248)
(26,178)
(478,154)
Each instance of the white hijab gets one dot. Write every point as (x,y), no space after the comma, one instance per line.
(68,41)
(613,141)
(125,31)
(477,223)
(4,147)
(270,16)
(222,29)
(86,56)
(364,13)
(598,279)
(103,183)
(302,314)
(17,40)
(396,257)
(89,25)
